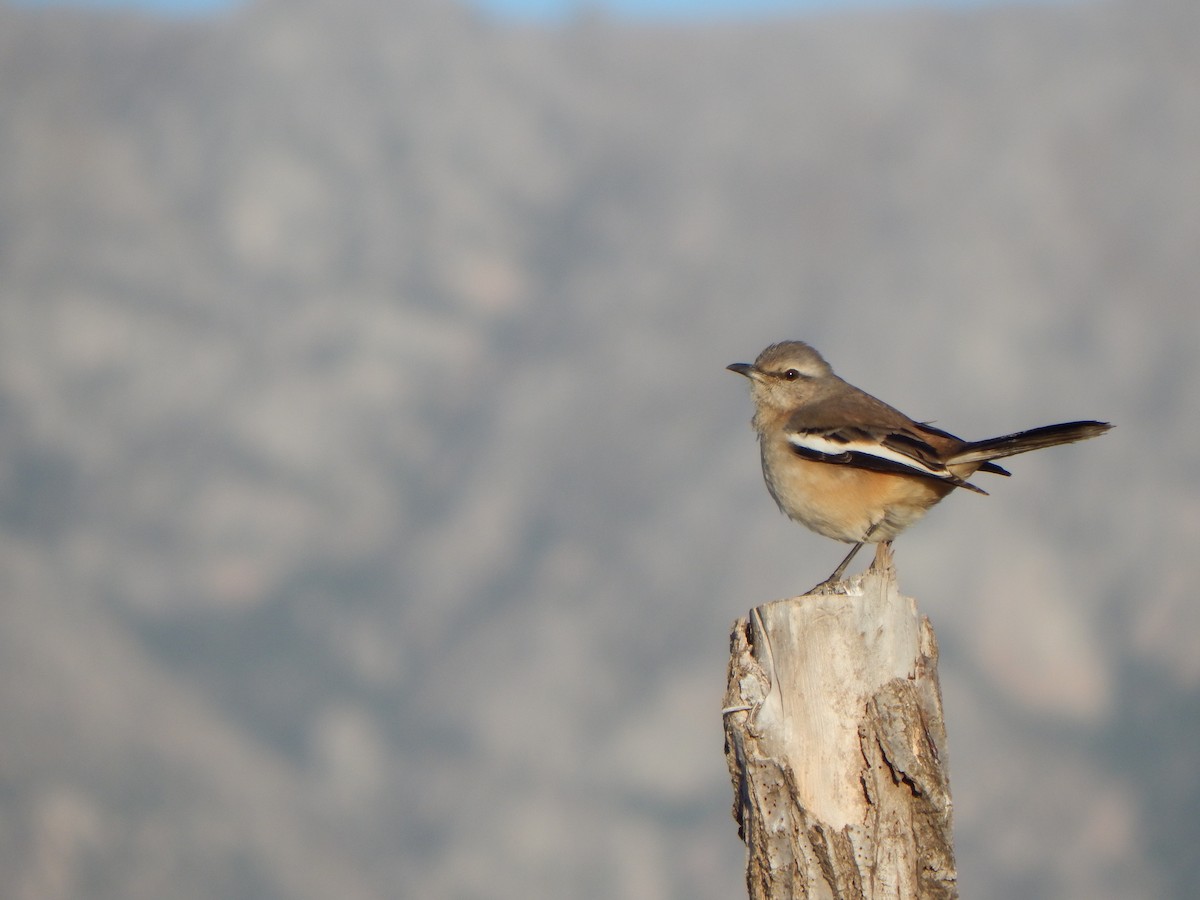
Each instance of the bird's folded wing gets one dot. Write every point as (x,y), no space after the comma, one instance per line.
(896,451)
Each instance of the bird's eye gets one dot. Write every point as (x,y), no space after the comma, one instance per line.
(791,374)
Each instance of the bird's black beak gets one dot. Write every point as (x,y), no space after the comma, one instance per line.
(742,369)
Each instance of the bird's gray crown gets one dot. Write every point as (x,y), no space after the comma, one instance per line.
(793,355)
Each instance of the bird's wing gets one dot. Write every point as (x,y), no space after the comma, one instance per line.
(900,450)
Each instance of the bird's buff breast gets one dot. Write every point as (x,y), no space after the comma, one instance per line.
(843,502)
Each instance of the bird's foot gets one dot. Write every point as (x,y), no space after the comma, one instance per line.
(831,585)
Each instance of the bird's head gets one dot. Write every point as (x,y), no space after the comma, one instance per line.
(785,376)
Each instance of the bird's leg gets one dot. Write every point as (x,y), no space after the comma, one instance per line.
(826,585)
(841,569)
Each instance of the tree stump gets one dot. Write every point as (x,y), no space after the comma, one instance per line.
(837,747)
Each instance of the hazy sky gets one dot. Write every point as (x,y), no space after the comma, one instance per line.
(551,8)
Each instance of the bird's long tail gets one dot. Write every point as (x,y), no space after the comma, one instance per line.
(1024,441)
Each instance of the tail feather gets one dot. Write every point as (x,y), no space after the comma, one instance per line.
(1024,441)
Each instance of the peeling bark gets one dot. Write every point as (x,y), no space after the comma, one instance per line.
(836,746)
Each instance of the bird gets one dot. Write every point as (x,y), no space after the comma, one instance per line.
(852,468)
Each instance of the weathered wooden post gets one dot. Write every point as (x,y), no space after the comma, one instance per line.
(837,748)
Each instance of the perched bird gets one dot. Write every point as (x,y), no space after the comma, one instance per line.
(854,469)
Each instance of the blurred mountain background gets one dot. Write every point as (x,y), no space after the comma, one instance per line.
(374,504)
